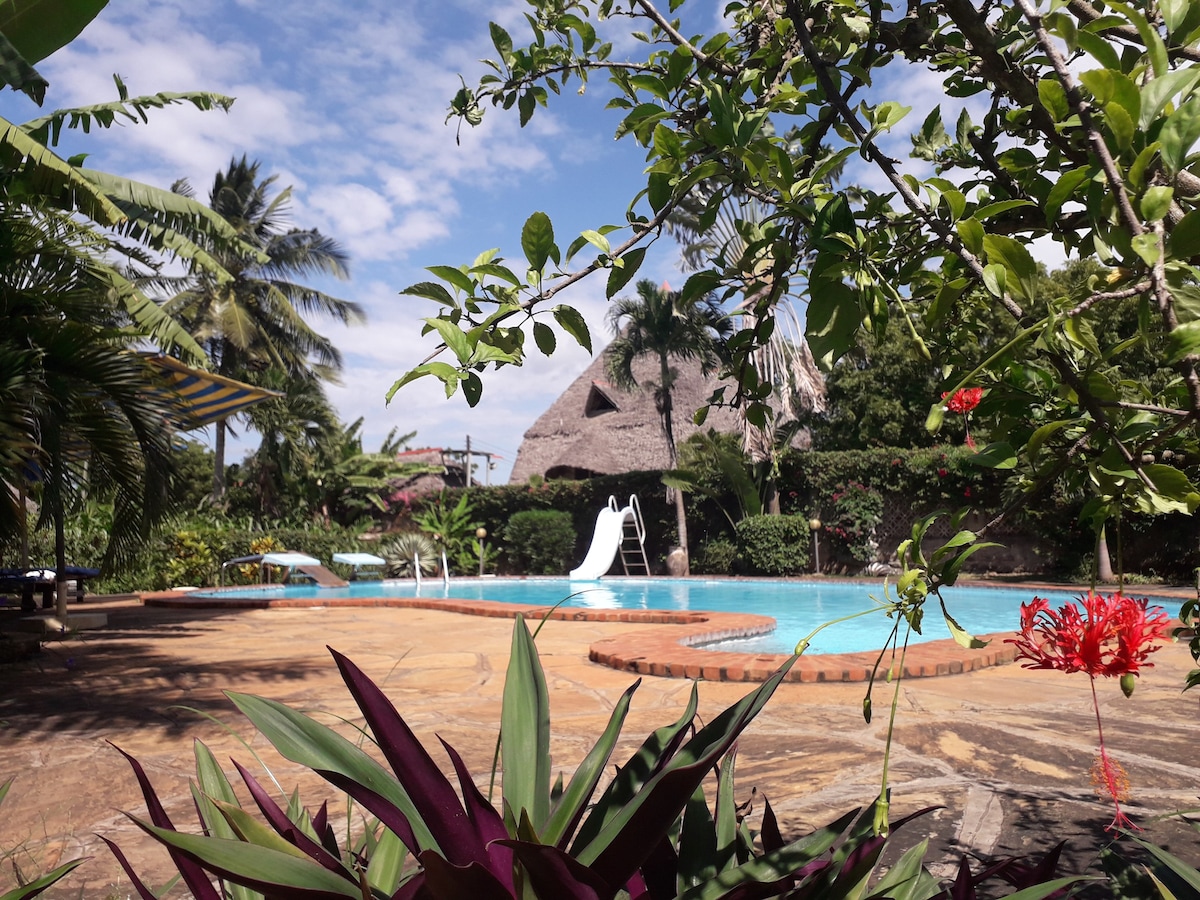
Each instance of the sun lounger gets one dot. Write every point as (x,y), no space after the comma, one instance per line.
(359,561)
(305,565)
(28,582)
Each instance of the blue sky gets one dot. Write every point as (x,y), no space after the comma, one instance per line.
(346,103)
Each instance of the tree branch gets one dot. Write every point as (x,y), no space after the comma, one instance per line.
(1085,12)
(885,164)
(1124,294)
(680,41)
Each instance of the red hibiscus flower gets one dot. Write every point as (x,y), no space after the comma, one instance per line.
(963,400)
(1100,635)
(1110,636)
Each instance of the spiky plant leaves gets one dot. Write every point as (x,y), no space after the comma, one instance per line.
(525,730)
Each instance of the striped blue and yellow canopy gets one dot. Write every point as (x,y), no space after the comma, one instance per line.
(202,398)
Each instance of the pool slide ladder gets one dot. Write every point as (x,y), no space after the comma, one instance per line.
(619,530)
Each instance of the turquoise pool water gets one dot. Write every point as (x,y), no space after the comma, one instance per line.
(797,607)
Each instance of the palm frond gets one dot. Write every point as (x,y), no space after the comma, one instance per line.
(48,129)
(37,171)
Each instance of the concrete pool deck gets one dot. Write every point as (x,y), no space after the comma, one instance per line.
(1004,750)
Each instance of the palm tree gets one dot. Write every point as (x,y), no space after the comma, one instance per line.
(292,428)
(660,324)
(256,320)
(75,410)
(733,232)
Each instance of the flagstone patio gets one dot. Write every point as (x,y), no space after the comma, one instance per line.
(1005,751)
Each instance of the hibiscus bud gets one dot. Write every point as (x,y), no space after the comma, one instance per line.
(1127,683)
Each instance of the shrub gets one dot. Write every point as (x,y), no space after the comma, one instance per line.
(717,556)
(191,561)
(772,545)
(857,512)
(540,542)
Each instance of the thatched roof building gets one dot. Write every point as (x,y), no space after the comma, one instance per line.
(596,429)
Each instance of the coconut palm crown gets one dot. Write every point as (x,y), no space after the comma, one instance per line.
(257,319)
(659,323)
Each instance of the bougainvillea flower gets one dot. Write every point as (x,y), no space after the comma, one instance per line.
(1109,635)
(963,400)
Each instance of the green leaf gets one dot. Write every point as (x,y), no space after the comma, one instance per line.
(1179,134)
(572,322)
(774,866)
(1021,269)
(596,239)
(998,455)
(472,388)
(1186,872)
(1099,49)
(543,336)
(1185,237)
(213,785)
(430,290)
(386,863)
(258,867)
(525,730)
(453,337)
(537,240)
(1042,434)
(1064,190)
(574,800)
(1146,246)
(961,636)
(1150,37)
(47,175)
(36,28)
(496,270)
(37,885)
(971,232)
(502,42)
(833,320)
(1158,92)
(456,277)
(951,572)
(623,270)
(1054,98)
(994,209)
(1156,202)
(309,743)
(995,279)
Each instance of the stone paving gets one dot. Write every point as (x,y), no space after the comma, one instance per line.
(1004,751)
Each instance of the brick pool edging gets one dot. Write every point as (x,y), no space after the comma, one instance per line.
(669,649)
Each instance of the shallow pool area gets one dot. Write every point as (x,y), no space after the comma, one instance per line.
(798,607)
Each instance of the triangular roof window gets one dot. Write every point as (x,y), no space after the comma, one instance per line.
(599,402)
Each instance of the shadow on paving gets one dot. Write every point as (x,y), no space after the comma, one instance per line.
(125,677)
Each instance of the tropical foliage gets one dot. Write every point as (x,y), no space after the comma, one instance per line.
(78,248)
(652,831)
(1084,138)
(254,319)
(540,542)
(661,325)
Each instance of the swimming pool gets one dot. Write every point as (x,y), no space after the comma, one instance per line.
(797,606)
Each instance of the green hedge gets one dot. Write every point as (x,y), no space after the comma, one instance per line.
(924,480)
(582,500)
(540,542)
(772,545)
